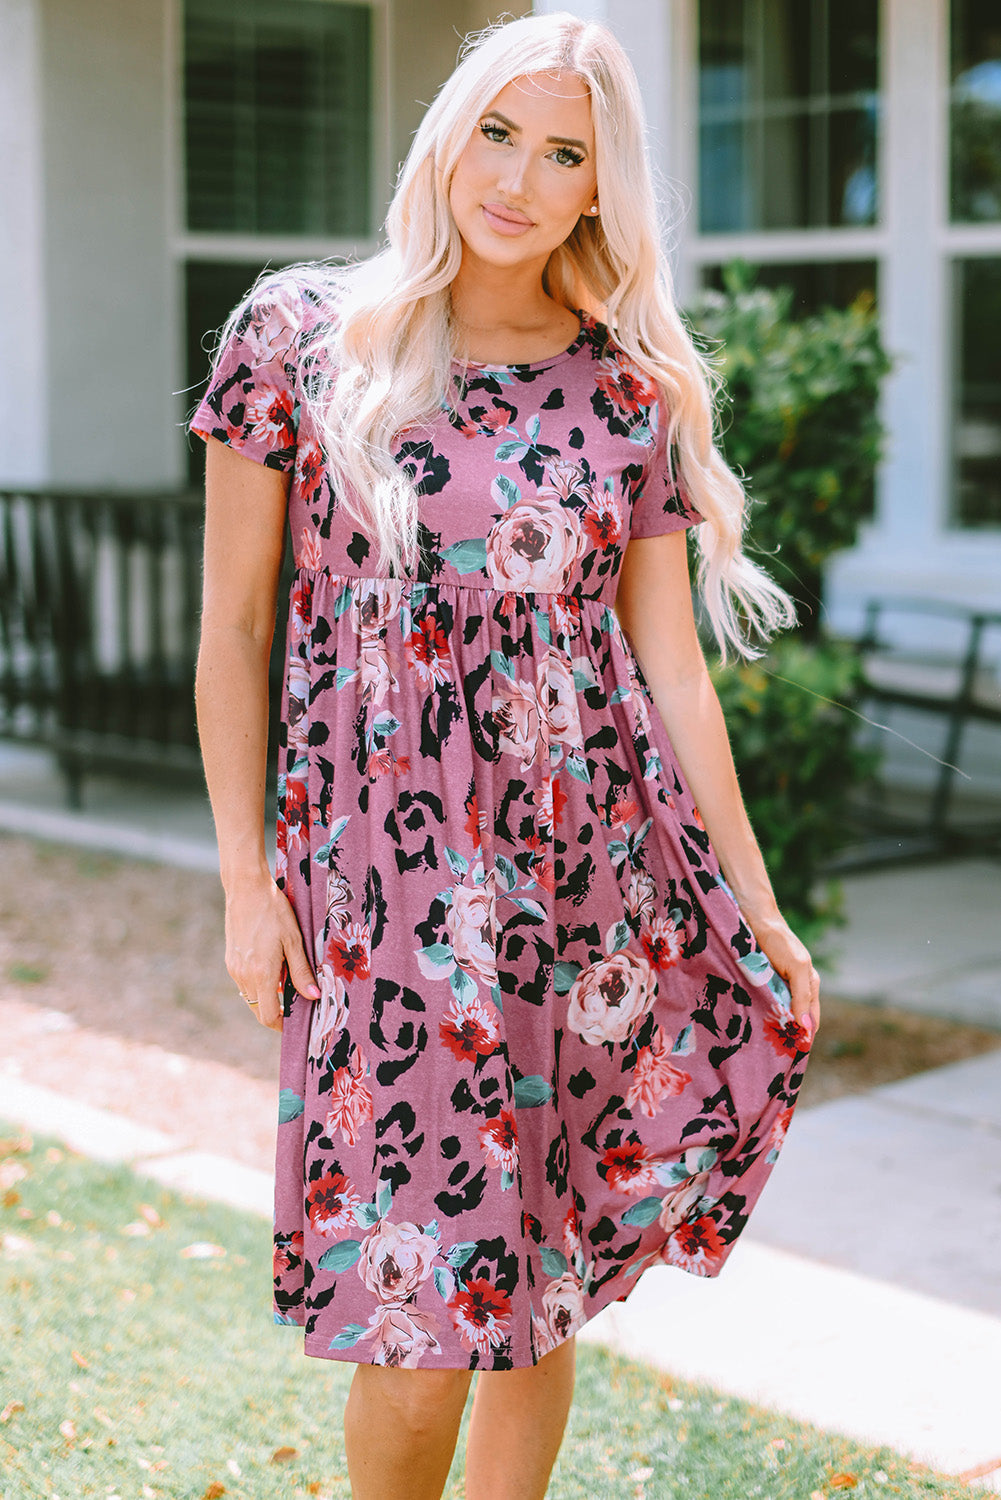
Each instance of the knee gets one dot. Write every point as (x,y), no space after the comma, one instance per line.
(418,1402)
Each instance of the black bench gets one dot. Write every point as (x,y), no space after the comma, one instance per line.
(952,681)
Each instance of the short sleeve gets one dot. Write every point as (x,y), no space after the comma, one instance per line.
(251,401)
(660,500)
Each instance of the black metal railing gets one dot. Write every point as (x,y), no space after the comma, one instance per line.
(99,611)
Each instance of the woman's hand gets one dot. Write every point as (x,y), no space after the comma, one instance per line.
(262,935)
(790,959)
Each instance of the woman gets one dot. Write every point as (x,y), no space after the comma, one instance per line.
(533,1040)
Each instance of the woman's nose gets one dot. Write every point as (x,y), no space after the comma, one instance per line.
(515,179)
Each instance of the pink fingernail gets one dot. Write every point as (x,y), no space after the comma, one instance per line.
(807,1025)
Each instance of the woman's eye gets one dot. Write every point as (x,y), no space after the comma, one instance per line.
(494,132)
(567,157)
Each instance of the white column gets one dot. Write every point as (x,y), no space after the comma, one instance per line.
(23,358)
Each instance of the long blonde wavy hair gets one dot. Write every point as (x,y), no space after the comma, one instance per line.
(389,354)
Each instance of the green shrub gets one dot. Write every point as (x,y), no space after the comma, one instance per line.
(801,424)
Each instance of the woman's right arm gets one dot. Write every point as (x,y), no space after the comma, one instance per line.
(245,507)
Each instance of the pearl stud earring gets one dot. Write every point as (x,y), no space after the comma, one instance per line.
(593,209)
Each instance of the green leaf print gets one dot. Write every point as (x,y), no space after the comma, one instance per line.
(384,1198)
(457,863)
(340,1256)
(642,1213)
(506,490)
(290,1106)
(554,1262)
(756,967)
(616,938)
(685,1042)
(365,1215)
(468,556)
(531,1091)
(565,971)
(531,908)
(349,1334)
(460,1252)
(502,664)
(444,1282)
(342,601)
(463,985)
(578,767)
(505,452)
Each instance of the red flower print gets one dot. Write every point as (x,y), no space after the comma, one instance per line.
(469,1029)
(602,520)
(655,1077)
(308,469)
(785,1033)
(551,801)
(476,823)
(288,1248)
(302,605)
(663,941)
(331,1202)
(349,950)
(694,1246)
(499,1139)
(496,420)
(480,1315)
(350,1099)
(777,1134)
(621,812)
(572,1243)
(626,387)
(427,651)
(382,762)
(296,811)
(269,415)
(310,555)
(628,1168)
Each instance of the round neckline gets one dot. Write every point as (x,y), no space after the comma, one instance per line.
(535,364)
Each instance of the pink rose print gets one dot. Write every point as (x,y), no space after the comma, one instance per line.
(515,710)
(563,1301)
(565,615)
(339,898)
(470,1029)
(677,1204)
(396,1260)
(557,698)
(375,605)
(298,707)
(330,1013)
(269,335)
(629,1168)
(331,1202)
(564,479)
(663,941)
(655,1077)
(480,1315)
(535,545)
(499,1139)
(404,1334)
(471,921)
(350,1099)
(641,899)
(610,995)
(694,1247)
(376,669)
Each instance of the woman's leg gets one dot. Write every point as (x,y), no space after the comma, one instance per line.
(400,1428)
(517,1426)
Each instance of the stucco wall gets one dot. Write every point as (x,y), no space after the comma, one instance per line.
(111,320)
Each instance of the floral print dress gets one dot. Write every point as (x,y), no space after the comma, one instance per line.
(548,1052)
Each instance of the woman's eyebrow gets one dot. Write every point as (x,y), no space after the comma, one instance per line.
(553,140)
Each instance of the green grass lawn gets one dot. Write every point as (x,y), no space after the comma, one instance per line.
(138,1360)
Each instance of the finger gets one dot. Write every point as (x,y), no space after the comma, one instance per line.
(301,975)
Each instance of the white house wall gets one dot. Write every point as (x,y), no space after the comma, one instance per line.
(24,397)
(111,319)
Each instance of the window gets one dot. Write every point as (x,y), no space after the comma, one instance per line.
(977,390)
(788,114)
(277,116)
(975,111)
(815,283)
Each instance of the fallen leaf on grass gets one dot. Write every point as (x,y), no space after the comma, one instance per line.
(11,1172)
(283,1455)
(11,1410)
(10,1145)
(11,1198)
(202,1250)
(214,1490)
(843,1481)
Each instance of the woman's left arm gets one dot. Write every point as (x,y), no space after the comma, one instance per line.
(654,607)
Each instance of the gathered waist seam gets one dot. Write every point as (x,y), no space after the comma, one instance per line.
(439,583)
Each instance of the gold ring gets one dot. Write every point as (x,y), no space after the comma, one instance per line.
(248,999)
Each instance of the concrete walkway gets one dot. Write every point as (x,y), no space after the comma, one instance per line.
(865,1295)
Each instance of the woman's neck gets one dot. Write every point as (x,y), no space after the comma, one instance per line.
(507,317)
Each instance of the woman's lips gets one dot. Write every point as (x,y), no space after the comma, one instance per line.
(505,220)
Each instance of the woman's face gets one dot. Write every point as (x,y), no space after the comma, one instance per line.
(527,172)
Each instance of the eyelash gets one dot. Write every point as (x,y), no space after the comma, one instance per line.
(491,131)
